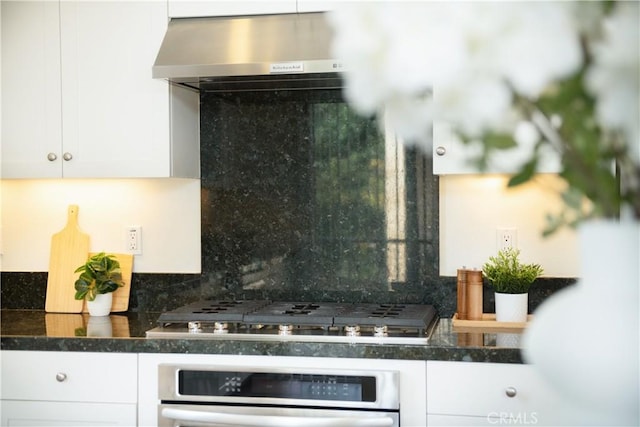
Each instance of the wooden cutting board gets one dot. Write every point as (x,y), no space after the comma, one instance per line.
(121,295)
(63,325)
(69,249)
(72,325)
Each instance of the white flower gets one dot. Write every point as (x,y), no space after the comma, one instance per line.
(537,43)
(526,134)
(472,54)
(406,116)
(614,76)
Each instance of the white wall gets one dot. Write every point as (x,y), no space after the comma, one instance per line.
(168,210)
(473,207)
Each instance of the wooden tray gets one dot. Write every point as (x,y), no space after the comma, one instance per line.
(488,324)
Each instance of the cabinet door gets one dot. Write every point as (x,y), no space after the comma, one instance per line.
(114,114)
(191,8)
(69,376)
(471,393)
(65,414)
(31,115)
(452,156)
(41,388)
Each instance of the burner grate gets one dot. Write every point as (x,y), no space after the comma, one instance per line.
(387,310)
(218,307)
(390,315)
(210,311)
(302,309)
(294,313)
(303,315)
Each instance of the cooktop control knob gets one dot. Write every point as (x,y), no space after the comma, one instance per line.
(194,327)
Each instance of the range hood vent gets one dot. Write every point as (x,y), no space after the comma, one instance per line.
(201,50)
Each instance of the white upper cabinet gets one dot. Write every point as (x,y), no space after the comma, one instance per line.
(91,109)
(31,111)
(452,156)
(191,8)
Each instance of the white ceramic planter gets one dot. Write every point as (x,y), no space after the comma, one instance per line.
(101,306)
(99,326)
(508,340)
(511,307)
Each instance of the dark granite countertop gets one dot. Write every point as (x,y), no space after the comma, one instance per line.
(37,330)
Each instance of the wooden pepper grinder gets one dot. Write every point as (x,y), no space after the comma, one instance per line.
(462,293)
(474,294)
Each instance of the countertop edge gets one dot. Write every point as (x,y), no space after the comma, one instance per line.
(144,345)
(39,331)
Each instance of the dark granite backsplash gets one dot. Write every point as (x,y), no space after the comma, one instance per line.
(297,206)
(161,292)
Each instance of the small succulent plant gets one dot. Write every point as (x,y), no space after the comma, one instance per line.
(508,275)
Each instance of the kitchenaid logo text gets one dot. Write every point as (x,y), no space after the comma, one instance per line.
(511,418)
(286,67)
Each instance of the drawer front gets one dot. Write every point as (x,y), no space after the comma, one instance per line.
(69,376)
(485,390)
(463,421)
(32,413)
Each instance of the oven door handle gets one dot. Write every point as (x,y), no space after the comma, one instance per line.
(273,421)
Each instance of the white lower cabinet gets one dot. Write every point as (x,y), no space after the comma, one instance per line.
(497,394)
(57,388)
(53,388)
(65,414)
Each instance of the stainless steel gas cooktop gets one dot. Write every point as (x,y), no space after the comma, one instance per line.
(299,321)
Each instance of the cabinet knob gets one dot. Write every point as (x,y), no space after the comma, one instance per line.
(511,391)
(67,156)
(441,151)
(61,377)
(51,157)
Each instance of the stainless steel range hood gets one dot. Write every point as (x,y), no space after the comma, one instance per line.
(197,50)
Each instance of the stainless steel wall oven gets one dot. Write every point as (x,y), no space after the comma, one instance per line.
(250,391)
(221,396)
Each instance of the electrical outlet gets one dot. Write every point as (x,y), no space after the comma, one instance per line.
(506,238)
(133,239)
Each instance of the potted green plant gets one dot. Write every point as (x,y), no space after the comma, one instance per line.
(99,277)
(511,281)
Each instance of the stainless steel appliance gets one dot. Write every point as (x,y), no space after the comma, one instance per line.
(245,396)
(299,321)
(357,391)
(200,50)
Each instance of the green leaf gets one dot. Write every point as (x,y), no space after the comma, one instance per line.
(81,294)
(573,198)
(499,141)
(99,275)
(525,174)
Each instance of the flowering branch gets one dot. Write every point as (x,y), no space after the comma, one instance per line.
(496,70)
